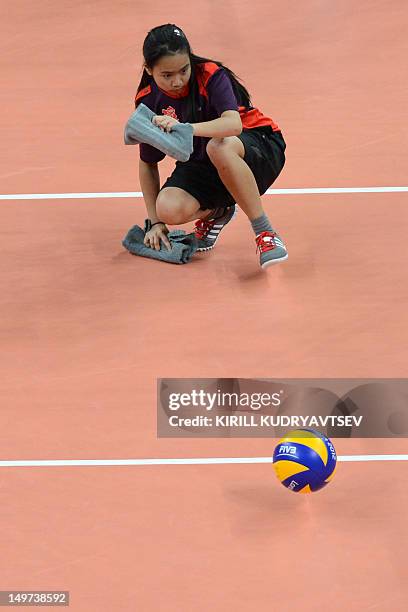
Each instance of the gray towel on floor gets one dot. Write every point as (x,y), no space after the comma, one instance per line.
(178,143)
(183,246)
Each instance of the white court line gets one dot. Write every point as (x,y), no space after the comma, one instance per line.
(191,461)
(139,194)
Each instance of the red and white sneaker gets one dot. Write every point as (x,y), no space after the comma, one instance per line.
(271,249)
(207,231)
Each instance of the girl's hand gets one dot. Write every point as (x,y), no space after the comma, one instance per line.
(155,235)
(164,122)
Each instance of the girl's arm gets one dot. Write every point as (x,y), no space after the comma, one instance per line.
(229,124)
(150,183)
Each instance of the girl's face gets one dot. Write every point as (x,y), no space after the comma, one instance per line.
(172,72)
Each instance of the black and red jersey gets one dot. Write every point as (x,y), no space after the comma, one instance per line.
(216,95)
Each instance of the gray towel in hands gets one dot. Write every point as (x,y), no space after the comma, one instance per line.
(183,246)
(178,143)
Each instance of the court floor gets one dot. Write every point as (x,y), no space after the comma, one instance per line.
(92,501)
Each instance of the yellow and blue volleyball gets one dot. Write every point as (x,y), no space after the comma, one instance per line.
(304,460)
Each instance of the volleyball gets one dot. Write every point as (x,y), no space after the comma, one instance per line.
(304,460)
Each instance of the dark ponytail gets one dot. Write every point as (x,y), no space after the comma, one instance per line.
(241,93)
(169,39)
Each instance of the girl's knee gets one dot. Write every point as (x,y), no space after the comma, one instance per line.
(222,149)
(170,208)
(216,147)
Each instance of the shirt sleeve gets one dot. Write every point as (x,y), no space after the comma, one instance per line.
(150,154)
(220,93)
(147,153)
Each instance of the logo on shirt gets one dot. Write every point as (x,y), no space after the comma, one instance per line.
(170,111)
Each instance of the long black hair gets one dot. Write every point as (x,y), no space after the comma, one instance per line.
(169,39)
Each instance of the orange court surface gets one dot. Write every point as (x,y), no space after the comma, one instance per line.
(184,525)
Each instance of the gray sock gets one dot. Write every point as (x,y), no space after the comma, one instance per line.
(261,224)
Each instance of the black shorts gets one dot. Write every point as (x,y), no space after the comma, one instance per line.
(264,154)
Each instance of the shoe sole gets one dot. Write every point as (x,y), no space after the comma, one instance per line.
(272,262)
(209,248)
(203,249)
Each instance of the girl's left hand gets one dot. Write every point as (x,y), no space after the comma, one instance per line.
(164,122)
